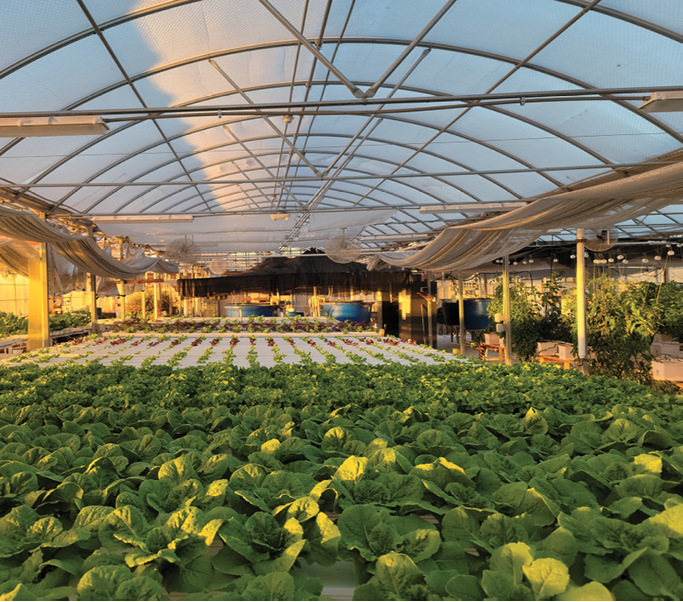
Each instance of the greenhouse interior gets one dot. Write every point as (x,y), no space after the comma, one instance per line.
(341,300)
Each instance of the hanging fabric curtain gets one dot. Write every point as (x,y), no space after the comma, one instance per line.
(15,255)
(82,251)
(597,206)
(459,249)
(471,245)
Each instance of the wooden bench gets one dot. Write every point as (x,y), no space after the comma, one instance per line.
(484,349)
(554,359)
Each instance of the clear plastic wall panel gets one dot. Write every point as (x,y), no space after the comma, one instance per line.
(608,52)
(482,189)
(218,155)
(201,140)
(442,190)
(263,67)
(404,193)
(613,131)
(435,119)
(181,85)
(512,28)
(574,175)
(105,10)
(656,220)
(427,162)
(457,72)
(348,125)
(28,27)
(89,166)
(371,165)
(672,120)
(109,151)
(52,194)
(230,247)
(527,184)
(351,191)
(31,157)
(522,140)
(381,197)
(528,79)
(402,19)
(152,41)
(665,13)
(474,155)
(59,79)
(148,201)
(121,96)
(366,62)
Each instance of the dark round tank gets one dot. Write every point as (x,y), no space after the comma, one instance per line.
(236,311)
(476,313)
(451,315)
(354,312)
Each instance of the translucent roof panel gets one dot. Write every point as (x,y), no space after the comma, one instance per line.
(185,86)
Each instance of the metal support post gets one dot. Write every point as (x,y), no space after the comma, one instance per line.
(430,300)
(461,313)
(156,300)
(143,310)
(38,303)
(93,304)
(581,296)
(507,313)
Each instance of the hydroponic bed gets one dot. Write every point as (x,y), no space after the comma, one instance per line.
(410,482)
(239,350)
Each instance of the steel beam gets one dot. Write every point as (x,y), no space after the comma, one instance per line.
(357,92)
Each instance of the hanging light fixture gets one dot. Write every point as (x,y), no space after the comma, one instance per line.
(625,261)
(670,252)
(658,257)
(620,257)
(572,256)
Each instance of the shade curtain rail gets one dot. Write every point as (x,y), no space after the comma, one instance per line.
(81,251)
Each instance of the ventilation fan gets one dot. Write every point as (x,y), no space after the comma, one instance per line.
(343,249)
(184,250)
(600,240)
(219,266)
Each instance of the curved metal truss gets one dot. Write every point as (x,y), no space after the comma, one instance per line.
(266,159)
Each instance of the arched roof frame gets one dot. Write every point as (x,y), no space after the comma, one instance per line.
(276,153)
(327,135)
(425,44)
(614,13)
(308,185)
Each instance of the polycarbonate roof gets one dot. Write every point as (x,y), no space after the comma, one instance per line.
(105,55)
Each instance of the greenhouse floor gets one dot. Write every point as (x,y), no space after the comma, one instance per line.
(243,350)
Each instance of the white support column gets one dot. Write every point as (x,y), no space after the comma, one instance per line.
(156,300)
(122,256)
(461,313)
(430,300)
(581,295)
(143,309)
(38,303)
(93,303)
(507,313)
